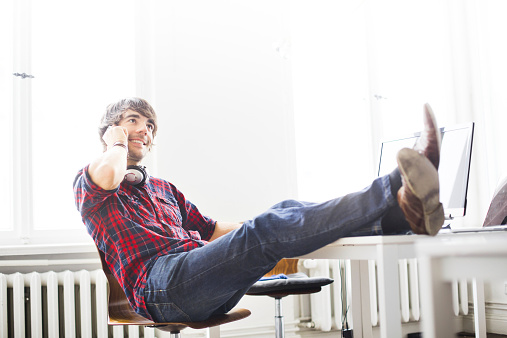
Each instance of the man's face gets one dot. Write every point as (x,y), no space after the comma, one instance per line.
(140,135)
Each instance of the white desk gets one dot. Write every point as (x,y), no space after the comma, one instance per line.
(445,258)
(386,251)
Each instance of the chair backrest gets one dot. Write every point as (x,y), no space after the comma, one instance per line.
(119,309)
(497,212)
(121,313)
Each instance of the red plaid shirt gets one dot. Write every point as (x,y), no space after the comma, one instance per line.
(133,226)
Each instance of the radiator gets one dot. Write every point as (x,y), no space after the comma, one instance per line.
(58,304)
(330,310)
(74,304)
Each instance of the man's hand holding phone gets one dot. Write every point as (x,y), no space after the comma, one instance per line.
(108,170)
(115,134)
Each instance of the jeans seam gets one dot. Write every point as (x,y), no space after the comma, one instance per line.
(172,305)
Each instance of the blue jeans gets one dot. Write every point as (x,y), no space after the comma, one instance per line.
(194,285)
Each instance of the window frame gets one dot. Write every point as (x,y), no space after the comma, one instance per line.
(20,229)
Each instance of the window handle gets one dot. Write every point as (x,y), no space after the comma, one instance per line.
(23,75)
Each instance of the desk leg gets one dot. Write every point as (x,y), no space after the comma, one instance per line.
(365,299)
(389,291)
(479,308)
(355,290)
(213,332)
(361,306)
(437,313)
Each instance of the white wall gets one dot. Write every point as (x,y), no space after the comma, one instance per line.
(221,91)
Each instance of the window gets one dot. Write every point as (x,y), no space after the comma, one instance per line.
(6,138)
(82,57)
(492,54)
(362,71)
(410,63)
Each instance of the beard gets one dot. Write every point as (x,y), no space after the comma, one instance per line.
(137,155)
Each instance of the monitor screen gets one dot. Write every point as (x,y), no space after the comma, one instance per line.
(454,168)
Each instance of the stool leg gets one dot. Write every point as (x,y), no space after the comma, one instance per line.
(279,331)
(175,334)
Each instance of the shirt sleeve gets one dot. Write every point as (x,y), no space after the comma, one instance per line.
(198,222)
(88,196)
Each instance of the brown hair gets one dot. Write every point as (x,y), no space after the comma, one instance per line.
(114,113)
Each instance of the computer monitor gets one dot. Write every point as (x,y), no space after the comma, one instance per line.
(454,169)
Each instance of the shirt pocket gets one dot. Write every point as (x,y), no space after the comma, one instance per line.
(136,210)
(170,210)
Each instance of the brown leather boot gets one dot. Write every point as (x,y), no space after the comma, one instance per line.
(419,197)
(430,140)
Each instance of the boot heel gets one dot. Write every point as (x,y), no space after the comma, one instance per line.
(433,222)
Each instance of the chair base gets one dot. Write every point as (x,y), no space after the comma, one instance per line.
(233,315)
(176,327)
(279,324)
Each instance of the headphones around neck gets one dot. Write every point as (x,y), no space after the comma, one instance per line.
(136,175)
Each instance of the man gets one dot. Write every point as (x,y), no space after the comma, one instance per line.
(175,264)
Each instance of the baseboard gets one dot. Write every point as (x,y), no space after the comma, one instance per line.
(260,331)
(496,318)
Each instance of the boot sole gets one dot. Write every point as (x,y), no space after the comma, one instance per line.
(421,178)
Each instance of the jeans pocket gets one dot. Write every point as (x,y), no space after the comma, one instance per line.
(167,312)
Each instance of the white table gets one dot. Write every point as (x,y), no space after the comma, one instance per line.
(444,258)
(386,251)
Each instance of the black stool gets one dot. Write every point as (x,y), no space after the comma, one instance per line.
(295,284)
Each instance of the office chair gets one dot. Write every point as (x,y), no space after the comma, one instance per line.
(278,288)
(121,313)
